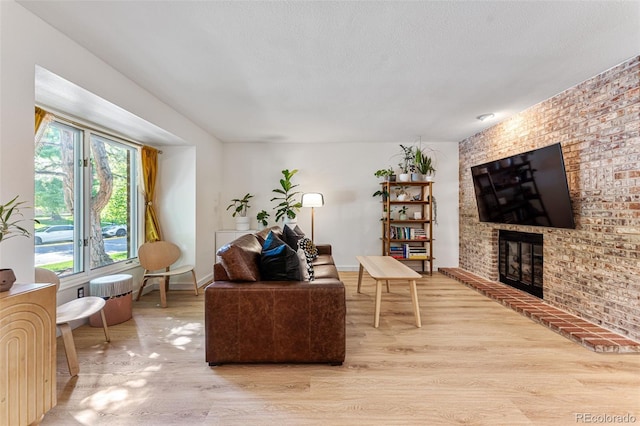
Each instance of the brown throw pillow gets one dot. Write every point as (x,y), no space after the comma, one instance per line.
(240,259)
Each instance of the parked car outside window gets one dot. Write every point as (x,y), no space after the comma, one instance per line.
(114,231)
(54,234)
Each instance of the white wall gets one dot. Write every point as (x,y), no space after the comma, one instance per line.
(26,41)
(343,172)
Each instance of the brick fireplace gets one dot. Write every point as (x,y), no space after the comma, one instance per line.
(592,271)
(520,261)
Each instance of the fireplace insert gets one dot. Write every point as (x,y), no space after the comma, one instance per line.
(520,261)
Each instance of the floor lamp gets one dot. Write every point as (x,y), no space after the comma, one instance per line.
(312,199)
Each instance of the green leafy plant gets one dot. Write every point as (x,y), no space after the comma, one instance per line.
(288,206)
(384,173)
(262,217)
(240,205)
(10,217)
(408,158)
(403,210)
(423,163)
(381,193)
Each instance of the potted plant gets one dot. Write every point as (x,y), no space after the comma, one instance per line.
(262,217)
(10,219)
(287,207)
(406,165)
(381,193)
(386,174)
(402,194)
(402,213)
(424,164)
(240,206)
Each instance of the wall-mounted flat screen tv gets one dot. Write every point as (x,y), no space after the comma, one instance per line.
(525,189)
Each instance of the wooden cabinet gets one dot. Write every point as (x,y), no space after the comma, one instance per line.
(27,353)
(408,239)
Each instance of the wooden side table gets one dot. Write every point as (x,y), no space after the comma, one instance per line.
(385,268)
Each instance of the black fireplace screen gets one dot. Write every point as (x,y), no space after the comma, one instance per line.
(520,263)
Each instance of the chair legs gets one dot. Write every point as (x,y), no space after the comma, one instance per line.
(69,349)
(70,346)
(195,281)
(164,287)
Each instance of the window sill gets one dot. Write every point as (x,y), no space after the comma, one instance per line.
(81,279)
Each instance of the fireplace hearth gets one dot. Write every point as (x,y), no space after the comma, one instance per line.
(520,261)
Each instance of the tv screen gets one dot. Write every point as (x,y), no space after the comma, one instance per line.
(526,189)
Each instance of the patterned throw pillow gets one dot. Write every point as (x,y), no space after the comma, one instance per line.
(310,252)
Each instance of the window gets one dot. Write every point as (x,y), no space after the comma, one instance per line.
(87,205)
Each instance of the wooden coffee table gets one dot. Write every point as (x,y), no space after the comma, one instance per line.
(385,268)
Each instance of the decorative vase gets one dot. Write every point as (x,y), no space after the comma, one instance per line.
(404,177)
(242,223)
(402,197)
(402,216)
(7,278)
(416,177)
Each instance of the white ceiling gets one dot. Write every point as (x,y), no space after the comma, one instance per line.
(341,71)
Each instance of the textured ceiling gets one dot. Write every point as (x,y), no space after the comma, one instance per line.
(318,71)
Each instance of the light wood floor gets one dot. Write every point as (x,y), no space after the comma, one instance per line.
(473,362)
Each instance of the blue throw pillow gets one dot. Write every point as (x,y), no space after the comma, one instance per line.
(278,262)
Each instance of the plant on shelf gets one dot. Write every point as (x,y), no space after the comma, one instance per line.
(240,205)
(423,163)
(407,163)
(435,209)
(10,219)
(287,206)
(402,213)
(381,193)
(385,174)
(402,194)
(262,217)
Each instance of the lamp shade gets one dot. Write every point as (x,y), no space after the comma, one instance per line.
(312,199)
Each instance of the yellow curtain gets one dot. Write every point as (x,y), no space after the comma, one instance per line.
(43,118)
(149,172)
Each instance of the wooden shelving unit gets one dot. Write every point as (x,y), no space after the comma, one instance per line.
(409,240)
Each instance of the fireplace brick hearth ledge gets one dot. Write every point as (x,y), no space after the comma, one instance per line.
(581,331)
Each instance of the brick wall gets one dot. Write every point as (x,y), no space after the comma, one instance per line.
(594,270)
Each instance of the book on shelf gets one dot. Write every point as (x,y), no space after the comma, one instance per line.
(407,233)
(406,251)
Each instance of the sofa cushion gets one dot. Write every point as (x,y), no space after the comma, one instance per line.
(278,261)
(298,231)
(291,238)
(262,235)
(325,271)
(241,257)
(304,265)
(310,251)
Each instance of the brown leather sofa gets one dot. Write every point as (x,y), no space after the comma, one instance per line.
(249,321)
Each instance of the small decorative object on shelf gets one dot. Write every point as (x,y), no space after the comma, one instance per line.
(410,237)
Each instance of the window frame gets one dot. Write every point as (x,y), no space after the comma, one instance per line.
(80,278)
